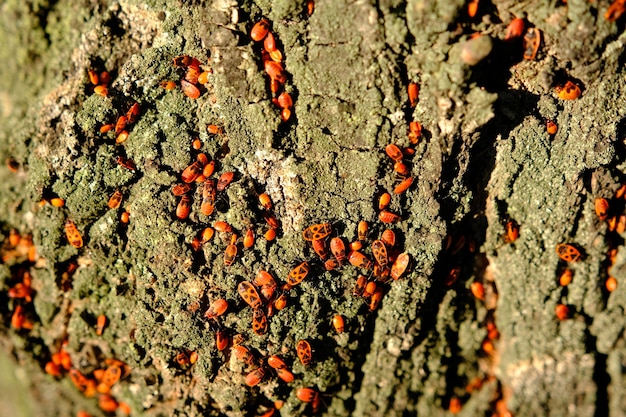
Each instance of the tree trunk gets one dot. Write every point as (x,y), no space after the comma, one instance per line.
(485,164)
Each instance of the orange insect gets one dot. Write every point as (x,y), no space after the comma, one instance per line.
(101,90)
(362,230)
(285,101)
(611,284)
(338,249)
(180,189)
(225,179)
(478,290)
(121,138)
(93,77)
(133,113)
(221,339)
(270,42)
(79,380)
(370,289)
(380,253)
(331,264)
(107,403)
(568,91)
(203,78)
(389,238)
(400,265)
(231,252)
(394,152)
(125,217)
(402,169)
(115,200)
(265,201)
(562,312)
(310,7)
(53,369)
(216,308)
(615,10)
(307,395)
(214,130)
(208,169)
(248,240)
(207,234)
(19,320)
(259,321)
(254,377)
(72,234)
(57,202)
(515,29)
(602,207)
(452,276)
(320,248)
(192,75)
(222,227)
(531,42)
(551,127)
(303,349)
(276,362)
(280,302)
(359,260)
(377,296)
(275,71)
(260,30)
(317,231)
(566,278)
(249,294)
(266,282)
(124,408)
(100,324)
(209,195)
(14,237)
(383,202)
(403,185)
(186,61)
(106,128)
(270,234)
(182,358)
(297,274)
(196,144)
(413,91)
(189,89)
(388,217)
(271,220)
(168,85)
(472,8)
(356,245)
(567,252)
(455,405)
(338,323)
(512,231)
(105,77)
(126,163)
(285,375)
(359,286)
(121,124)
(192,172)
(275,87)
(109,378)
(243,354)
(415,132)
(183,208)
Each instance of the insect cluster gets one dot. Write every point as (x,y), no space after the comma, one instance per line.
(98,382)
(19,252)
(272,58)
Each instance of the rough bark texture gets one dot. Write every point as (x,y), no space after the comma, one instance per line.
(484,158)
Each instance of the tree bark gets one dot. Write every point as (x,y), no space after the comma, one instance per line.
(485,161)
